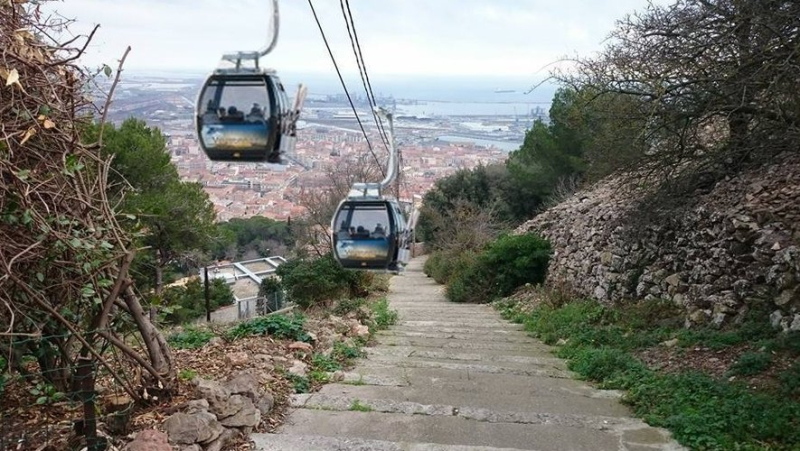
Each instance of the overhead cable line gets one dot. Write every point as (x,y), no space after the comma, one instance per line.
(362,69)
(344,86)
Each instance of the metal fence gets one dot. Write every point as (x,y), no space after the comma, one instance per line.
(260,306)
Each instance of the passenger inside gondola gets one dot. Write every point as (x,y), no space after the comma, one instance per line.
(256,114)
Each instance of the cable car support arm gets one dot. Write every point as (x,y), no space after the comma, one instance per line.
(236,58)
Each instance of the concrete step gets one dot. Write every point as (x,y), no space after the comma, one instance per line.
(457,430)
(532,357)
(473,324)
(433,360)
(283,442)
(519,370)
(466,345)
(330,402)
(462,335)
(455,328)
(513,398)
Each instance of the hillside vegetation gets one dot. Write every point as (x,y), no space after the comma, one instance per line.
(664,190)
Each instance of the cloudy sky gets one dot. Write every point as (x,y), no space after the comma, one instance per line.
(498,38)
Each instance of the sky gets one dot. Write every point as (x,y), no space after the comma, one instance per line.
(439,38)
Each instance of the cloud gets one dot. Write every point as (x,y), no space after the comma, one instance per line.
(458,37)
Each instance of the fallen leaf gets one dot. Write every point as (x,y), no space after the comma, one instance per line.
(31,131)
(12,77)
(48,124)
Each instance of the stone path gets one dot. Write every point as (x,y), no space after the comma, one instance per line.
(455,377)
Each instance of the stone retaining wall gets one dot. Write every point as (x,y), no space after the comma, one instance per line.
(737,248)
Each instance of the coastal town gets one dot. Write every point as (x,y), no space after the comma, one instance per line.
(432,146)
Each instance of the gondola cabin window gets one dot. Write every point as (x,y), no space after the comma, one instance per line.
(363,222)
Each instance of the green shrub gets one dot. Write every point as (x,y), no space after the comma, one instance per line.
(190,338)
(384,316)
(183,304)
(444,265)
(278,326)
(345,306)
(750,364)
(790,381)
(506,264)
(322,362)
(299,383)
(312,282)
(704,413)
(613,368)
(343,352)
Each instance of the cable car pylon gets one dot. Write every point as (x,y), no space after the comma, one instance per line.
(369,230)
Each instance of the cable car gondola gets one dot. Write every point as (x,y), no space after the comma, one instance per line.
(369,230)
(243,113)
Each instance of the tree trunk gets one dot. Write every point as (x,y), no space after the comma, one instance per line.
(156,344)
(159,288)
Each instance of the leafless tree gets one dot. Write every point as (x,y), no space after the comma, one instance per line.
(313,229)
(715,82)
(65,289)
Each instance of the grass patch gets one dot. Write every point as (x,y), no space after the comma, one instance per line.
(190,338)
(345,306)
(187,374)
(384,316)
(356,406)
(322,362)
(299,383)
(702,412)
(278,326)
(343,352)
(750,364)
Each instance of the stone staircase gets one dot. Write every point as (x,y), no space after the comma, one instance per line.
(456,377)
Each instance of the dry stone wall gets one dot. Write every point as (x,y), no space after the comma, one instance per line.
(737,248)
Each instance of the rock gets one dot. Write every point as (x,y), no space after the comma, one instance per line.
(312,336)
(300,346)
(197,405)
(795,326)
(236,358)
(561,342)
(359,330)
(246,384)
(599,293)
(186,429)
(718,320)
(674,280)
(337,376)
(670,343)
(247,415)
(194,447)
(298,368)
(788,296)
(265,404)
(697,317)
(149,440)
(775,318)
(220,400)
(223,440)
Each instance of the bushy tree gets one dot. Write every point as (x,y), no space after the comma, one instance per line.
(173,218)
(259,235)
(506,264)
